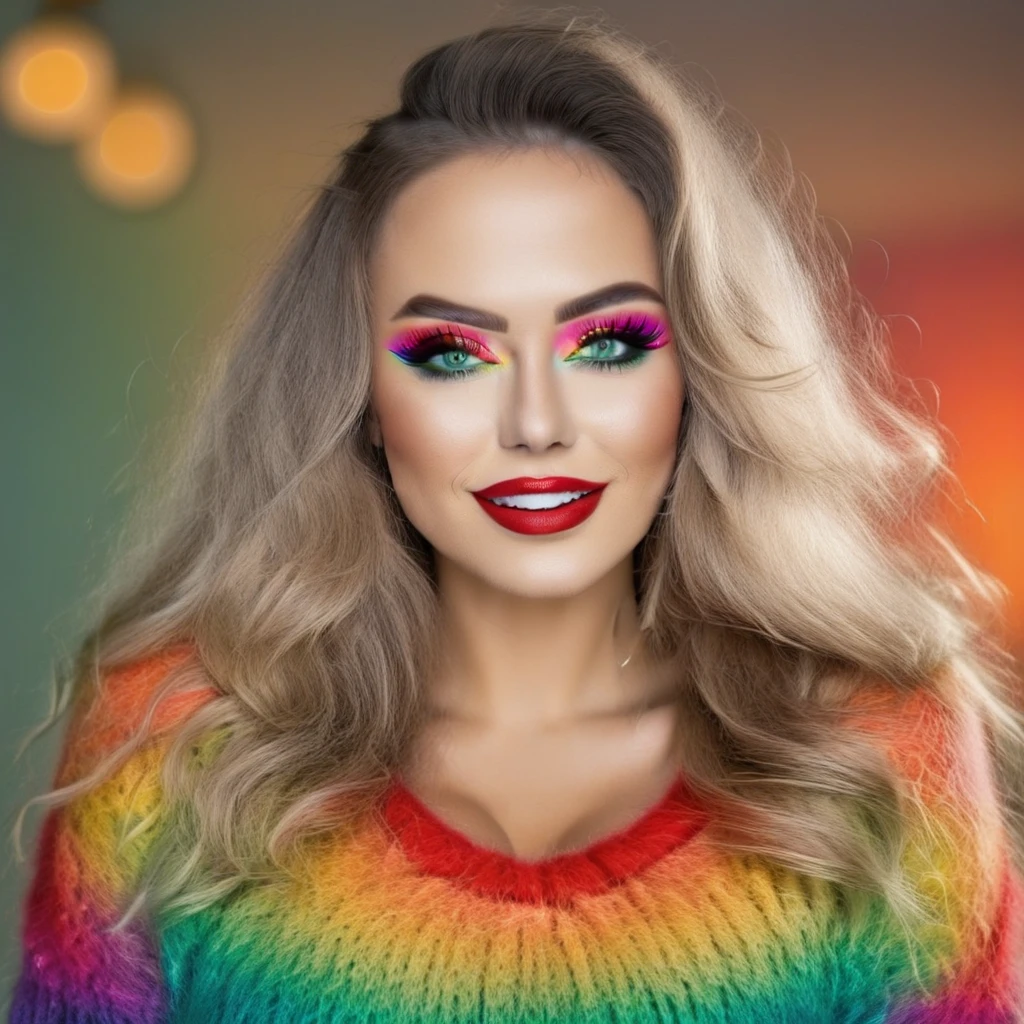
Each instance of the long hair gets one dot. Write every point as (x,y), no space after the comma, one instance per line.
(795,559)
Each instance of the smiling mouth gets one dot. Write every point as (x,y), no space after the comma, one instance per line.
(531,505)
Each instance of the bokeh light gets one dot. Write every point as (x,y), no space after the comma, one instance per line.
(143,152)
(57,79)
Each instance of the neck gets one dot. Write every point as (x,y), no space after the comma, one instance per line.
(510,659)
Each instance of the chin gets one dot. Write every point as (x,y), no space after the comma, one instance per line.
(542,574)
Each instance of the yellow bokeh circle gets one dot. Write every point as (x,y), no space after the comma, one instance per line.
(142,153)
(57,78)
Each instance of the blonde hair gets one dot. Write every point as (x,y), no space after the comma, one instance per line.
(794,560)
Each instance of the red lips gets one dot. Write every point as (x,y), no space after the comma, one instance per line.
(536,521)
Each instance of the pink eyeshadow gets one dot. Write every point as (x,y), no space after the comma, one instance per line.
(568,337)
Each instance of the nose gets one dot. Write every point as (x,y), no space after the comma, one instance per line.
(534,412)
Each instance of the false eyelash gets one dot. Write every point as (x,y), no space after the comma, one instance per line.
(636,330)
(422,343)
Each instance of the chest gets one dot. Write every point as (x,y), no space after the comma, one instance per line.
(536,793)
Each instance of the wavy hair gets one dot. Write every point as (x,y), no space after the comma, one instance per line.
(795,560)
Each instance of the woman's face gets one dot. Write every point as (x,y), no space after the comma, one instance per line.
(519,337)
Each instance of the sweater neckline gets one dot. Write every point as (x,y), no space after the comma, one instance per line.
(437,848)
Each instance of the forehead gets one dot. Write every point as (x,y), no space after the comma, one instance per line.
(537,225)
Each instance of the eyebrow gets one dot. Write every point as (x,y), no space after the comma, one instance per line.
(445,309)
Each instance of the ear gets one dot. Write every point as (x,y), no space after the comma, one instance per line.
(373,428)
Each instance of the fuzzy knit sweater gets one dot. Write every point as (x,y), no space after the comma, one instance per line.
(401,918)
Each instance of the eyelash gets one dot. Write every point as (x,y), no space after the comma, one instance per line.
(639,332)
(423,343)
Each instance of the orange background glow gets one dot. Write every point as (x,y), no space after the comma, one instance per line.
(965,351)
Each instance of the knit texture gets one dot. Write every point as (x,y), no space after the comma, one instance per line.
(400,918)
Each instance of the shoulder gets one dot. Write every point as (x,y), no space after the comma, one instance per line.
(939,745)
(934,736)
(109,792)
(144,699)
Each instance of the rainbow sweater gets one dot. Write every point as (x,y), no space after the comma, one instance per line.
(402,919)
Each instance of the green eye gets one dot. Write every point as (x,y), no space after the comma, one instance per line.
(605,349)
(607,353)
(452,361)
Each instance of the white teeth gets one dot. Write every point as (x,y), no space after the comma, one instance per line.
(538,501)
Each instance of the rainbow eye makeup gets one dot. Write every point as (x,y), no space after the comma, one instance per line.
(611,342)
(448,352)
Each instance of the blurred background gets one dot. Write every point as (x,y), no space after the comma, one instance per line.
(906,117)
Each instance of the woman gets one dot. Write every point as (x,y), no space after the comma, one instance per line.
(543,621)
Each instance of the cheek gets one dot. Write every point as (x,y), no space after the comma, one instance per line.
(428,435)
(639,428)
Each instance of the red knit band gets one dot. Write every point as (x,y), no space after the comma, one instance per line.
(438,849)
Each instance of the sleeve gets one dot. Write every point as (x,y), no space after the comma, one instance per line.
(73,969)
(959,855)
